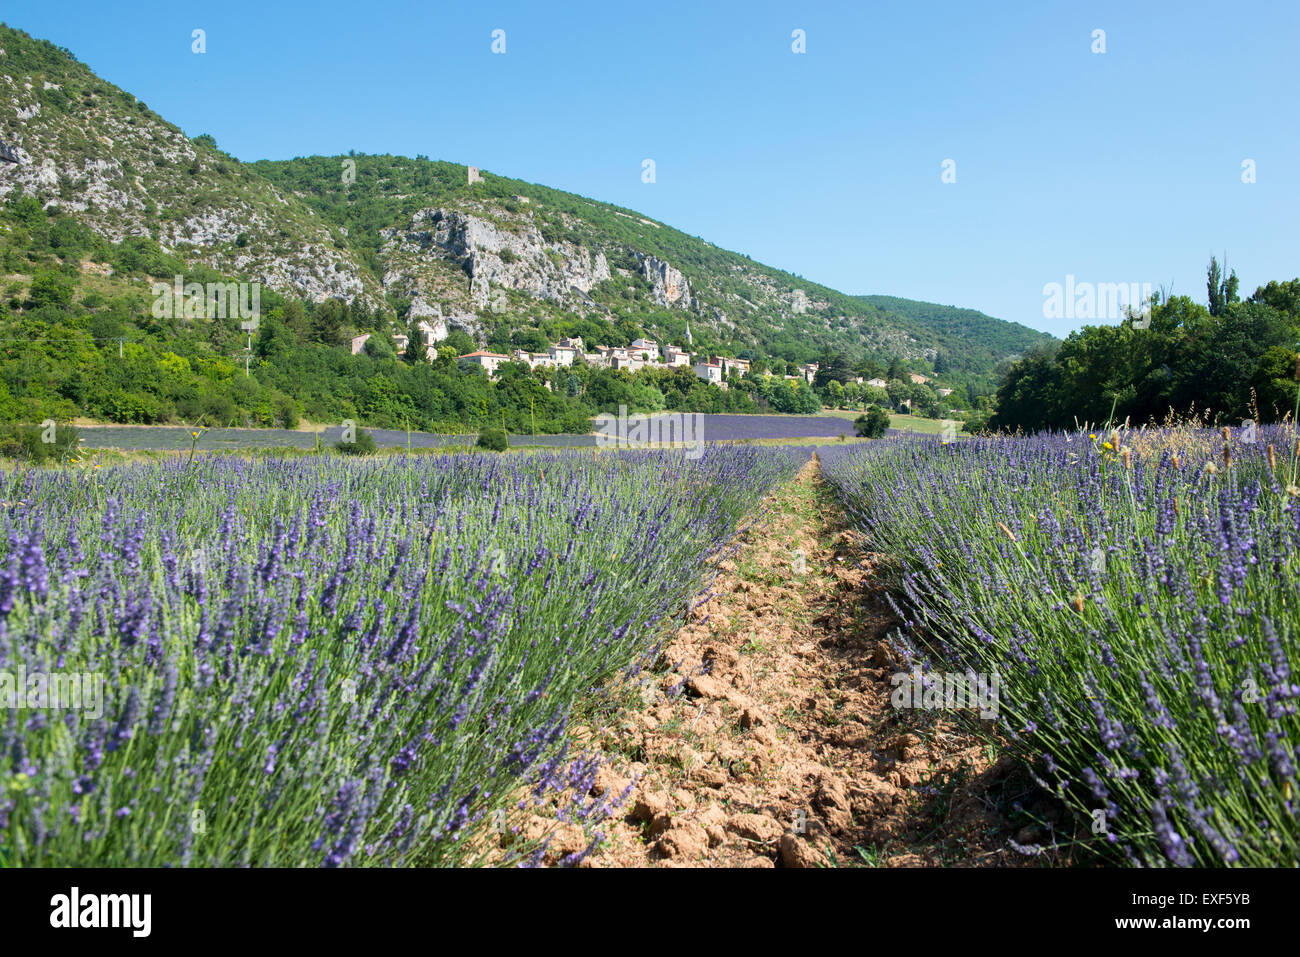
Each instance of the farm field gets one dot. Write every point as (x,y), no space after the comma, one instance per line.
(330,662)
(899,422)
(178,438)
(917,423)
(1135,595)
(638,658)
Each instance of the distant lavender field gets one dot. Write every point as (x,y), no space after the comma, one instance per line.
(719,428)
(168,438)
(716,428)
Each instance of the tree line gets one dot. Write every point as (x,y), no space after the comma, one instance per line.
(1227,360)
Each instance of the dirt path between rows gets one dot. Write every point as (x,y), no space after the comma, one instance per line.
(767,737)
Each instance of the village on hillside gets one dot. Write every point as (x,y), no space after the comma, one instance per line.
(642,353)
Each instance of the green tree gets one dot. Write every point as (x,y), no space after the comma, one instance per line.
(873,423)
(416,351)
(295,320)
(1275,383)
(362,444)
(329,323)
(1222,292)
(832,367)
(461,342)
(50,289)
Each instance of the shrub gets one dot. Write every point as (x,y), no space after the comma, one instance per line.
(873,423)
(286,411)
(493,440)
(27,442)
(364,444)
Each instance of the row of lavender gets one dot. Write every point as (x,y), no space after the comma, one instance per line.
(1136,596)
(324,662)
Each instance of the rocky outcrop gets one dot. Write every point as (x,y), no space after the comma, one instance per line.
(466,322)
(125,172)
(430,312)
(495,257)
(669,286)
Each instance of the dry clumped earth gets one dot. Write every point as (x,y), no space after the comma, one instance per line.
(767,738)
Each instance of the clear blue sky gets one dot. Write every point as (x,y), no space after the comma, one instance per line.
(1115,167)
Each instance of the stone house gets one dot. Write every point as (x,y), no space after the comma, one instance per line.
(487,361)
(709,371)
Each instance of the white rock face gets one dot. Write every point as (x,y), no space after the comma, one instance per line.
(135,175)
(493,257)
(670,286)
(424,310)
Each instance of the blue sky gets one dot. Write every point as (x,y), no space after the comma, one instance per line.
(1117,167)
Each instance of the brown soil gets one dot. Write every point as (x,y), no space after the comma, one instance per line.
(768,737)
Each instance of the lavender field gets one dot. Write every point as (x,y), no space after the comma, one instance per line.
(328,661)
(713,428)
(331,662)
(1136,592)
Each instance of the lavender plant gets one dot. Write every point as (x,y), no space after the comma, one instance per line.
(1136,593)
(330,662)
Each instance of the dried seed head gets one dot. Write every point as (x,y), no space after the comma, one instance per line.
(1008,531)
(1227,457)
(1078,602)
(1227,433)
(1272,457)
(1178,462)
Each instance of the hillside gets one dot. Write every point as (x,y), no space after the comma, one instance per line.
(107,197)
(103,156)
(984,338)
(432,235)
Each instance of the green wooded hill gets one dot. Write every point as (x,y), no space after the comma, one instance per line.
(109,198)
(985,341)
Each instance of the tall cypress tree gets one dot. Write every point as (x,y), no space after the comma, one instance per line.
(1213,280)
(1223,292)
